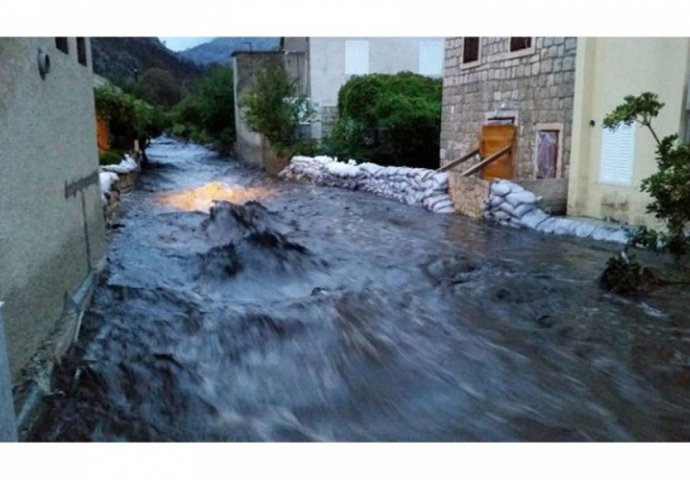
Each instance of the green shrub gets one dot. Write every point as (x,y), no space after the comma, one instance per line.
(111,157)
(669,186)
(388,119)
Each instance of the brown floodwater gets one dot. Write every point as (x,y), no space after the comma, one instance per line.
(318,314)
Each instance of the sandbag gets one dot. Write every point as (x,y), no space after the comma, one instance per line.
(533,218)
(501,215)
(500,188)
(521,210)
(508,208)
(518,198)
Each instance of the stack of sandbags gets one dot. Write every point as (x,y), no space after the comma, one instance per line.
(510,204)
(127,165)
(413,186)
(107,180)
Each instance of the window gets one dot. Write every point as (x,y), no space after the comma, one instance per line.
(520,43)
(470,50)
(431,57)
(81,50)
(547,153)
(356,57)
(617,156)
(61,44)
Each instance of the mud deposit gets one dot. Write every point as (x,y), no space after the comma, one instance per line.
(318,314)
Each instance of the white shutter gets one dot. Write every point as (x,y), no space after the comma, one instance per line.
(617,156)
(356,57)
(431,57)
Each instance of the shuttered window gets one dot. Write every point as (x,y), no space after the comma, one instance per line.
(431,57)
(356,57)
(617,156)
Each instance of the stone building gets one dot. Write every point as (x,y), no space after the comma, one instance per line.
(52,235)
(524,81)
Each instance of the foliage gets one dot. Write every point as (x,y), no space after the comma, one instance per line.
(158,87)
(670,185)
(111,157)
(389,119)
(274,108)
(127,116)
(624,275)
(208,113)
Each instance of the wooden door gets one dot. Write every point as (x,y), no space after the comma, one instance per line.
(493,139)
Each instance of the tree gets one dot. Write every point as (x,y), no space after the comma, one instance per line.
(127,116)
(274,108)
(208,112)
(670,185)
(158,87)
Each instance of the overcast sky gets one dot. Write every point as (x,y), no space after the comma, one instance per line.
(182,43)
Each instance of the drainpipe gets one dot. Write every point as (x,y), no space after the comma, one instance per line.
(8,421)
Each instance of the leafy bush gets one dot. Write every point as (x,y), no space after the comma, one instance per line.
(389,119)
(111,157)
(670,185)
(274,108)
(208,113)
(127,116)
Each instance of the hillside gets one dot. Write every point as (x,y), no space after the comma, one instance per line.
(220,49)
(115,58)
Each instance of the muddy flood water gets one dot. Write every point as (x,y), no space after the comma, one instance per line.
(320,314)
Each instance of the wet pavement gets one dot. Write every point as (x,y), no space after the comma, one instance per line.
(318,314)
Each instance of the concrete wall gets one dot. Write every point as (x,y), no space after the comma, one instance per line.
(607,70)
(48,139)
(252,147)
(536,86)
(8,425)
(327,68)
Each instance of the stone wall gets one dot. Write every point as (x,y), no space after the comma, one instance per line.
(469,194)
(535,85)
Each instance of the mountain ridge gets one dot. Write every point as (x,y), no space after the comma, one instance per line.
(220,49)
(125,59)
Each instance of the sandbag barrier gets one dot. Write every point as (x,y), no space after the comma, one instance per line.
(510,204)
(413,186)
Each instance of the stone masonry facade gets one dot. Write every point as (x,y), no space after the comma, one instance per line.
(535,86)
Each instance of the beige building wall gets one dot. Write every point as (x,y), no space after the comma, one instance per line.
(47,140)
(608,69)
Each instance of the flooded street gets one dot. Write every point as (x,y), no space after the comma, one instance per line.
(319,314)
